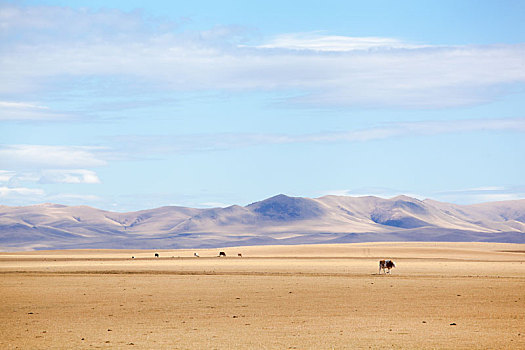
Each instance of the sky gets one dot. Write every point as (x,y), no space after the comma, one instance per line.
(130,105)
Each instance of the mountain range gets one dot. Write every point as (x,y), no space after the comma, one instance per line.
(277,220)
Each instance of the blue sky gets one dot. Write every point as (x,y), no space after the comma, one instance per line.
(128,105)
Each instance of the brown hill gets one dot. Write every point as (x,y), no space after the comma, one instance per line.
(276,220)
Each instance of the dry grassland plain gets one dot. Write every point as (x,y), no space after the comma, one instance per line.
(440,296)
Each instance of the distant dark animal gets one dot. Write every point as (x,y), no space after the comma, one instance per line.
(239,255)
(156,255)
(386,266)
(222,254)
(196,255)
(132,257)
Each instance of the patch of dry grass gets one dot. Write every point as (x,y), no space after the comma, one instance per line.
(103,300)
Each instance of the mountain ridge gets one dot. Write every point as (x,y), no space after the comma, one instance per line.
(279,219)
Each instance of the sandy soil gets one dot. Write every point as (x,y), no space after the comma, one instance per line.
(440,296)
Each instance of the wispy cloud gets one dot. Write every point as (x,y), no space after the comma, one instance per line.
(16,178)
(49,176)
(6,175)
(20,105)
(10,110)
(382,192)
(28,168)
(18,192)
(145,146)
(327,70)
(457,196)
(213,205)
(67,176)
(315,41)
(71,164)
(74,198)
(481,194)
(23,188)
(19,157)
(27,195)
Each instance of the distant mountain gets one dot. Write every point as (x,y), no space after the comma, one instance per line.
(276,220)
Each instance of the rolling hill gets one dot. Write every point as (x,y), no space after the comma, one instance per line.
(277,220)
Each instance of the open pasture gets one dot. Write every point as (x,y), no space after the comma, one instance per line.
(440,296)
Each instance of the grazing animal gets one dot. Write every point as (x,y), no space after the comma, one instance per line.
(239,255)
(196,255)
(222,254)
(132,257)
(156,255)
(386,266)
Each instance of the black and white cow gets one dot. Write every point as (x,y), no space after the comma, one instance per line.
(386,266)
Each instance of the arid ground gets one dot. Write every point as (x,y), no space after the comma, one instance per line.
(440,296)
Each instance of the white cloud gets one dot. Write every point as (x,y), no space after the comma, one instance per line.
(6,175)
(16,157)
(458,196)
(145,146)
(18,105)
(66,176)
(49,176)
(40,23)
(481,194)
(10,110)
(135,147)
(25,196)
(18,192)
(382,192)
(333,43)
(327,70)
(214,205)
(74,198)
(16,179)
(31,165)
